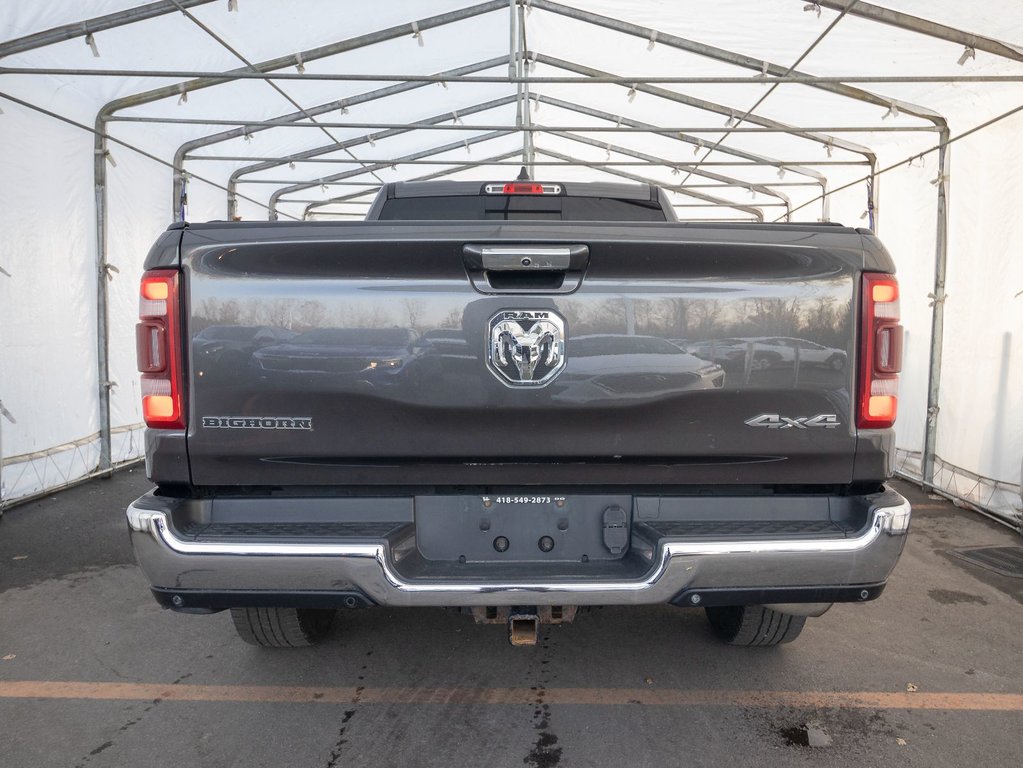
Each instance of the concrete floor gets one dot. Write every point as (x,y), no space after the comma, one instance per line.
(93,673)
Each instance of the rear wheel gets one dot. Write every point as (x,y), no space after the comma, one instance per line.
(282,627)
(754,625)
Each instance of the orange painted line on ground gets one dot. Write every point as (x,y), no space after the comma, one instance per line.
(673,697)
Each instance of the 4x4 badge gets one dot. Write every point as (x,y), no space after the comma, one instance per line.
(774,421)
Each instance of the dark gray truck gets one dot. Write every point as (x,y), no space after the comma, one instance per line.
(517,399)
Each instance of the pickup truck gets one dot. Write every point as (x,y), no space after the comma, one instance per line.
(471,400)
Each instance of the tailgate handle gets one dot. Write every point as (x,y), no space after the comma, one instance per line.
(525,268)
(501,258)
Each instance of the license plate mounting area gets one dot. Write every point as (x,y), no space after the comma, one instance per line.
(523,527)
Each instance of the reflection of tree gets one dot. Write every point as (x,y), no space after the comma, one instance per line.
(770,317)
(372,315)
(829,321)
(311,314)
(217,312)
(278,313)
(704,317)
(414,310)
(603,316)
(292,314)
(453,320)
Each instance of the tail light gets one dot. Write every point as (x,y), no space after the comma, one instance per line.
(880,352)
(157,344)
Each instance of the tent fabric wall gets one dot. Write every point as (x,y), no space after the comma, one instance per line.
(47,304)
(49,374)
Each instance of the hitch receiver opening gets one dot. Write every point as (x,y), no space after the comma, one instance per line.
(523,628)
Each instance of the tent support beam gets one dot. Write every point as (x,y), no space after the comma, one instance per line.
(373,185)
(713,200)
(312,155)
(924,27)
(629,80)
(385,160)
(728,181)
(94,25)
(275,197)
(748,62)
(435,175)
(713,107)
(819,179)
(736,59)
(261,69)
(938,312)
(824,139)
(241,57)
(250,126)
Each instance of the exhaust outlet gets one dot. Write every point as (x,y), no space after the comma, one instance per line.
(523,628)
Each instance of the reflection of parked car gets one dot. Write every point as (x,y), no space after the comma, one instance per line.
(224,347)
(443,353)
(615,366)
(810,353)
(768,352)
(371,354)
(446,343)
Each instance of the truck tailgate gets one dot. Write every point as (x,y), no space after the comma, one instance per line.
(365,354)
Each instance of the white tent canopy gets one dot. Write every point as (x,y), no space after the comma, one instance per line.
(119,118)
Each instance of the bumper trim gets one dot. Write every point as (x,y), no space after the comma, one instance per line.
(852,593)
(369,568)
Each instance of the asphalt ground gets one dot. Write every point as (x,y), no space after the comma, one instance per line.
(94,673)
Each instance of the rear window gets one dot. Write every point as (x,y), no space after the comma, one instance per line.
(512,207)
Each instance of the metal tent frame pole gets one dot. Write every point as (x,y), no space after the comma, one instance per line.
(362,98)
(938,313)
(313,155)
(435,175)
(387,160)
(249,128)
(629,80)
(924,27)
(237,175)
(275,197)
(727,181)
(729,112)
(755,211)
(817,176)
(734,58)
(95,24)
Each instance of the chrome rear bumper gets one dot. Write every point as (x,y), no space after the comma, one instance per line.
(374,569)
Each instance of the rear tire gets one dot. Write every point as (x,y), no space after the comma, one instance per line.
(754,625)
(282,627)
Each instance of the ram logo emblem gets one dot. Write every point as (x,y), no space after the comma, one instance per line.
(526,348)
